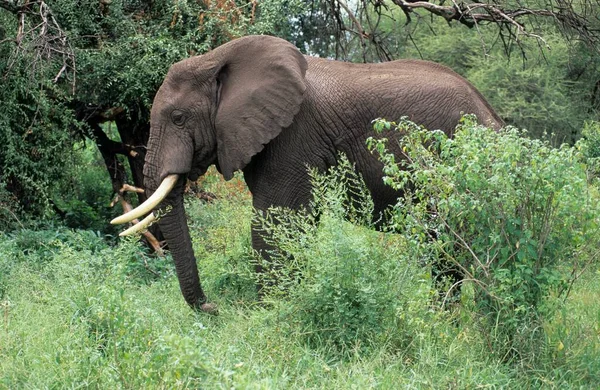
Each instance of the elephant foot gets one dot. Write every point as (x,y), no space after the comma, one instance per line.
(209,308)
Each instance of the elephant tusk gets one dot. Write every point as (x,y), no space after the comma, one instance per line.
(161,192)
(138,227)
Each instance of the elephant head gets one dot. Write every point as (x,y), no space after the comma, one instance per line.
(219,108)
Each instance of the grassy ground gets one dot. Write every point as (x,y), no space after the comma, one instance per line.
(77,313)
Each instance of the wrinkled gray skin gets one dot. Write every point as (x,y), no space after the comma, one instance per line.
(258,105)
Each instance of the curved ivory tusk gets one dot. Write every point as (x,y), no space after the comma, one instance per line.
(138,227)
(161,192)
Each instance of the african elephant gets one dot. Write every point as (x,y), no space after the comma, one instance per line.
(258,105)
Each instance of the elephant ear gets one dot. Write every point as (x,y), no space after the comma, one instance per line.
(261,90)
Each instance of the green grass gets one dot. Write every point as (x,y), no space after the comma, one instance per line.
(77,313)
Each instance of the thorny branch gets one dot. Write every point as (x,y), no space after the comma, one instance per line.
(359,29)
(40,37)
(470,14)
(514,21)
(10,6)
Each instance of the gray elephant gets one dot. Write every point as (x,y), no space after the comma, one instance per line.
(258,105)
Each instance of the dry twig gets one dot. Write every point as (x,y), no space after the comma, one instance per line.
(40,37)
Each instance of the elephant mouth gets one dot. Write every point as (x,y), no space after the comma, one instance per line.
(148,206)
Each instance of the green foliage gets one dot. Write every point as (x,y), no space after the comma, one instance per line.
(353,307)
(36,122)
(133,44)
(589,146)
(10,213)
(514,214)
(75,312)
(84,196)
(550,93)
(32,155)
(108,342)
(342,285)
(38,247)
(222,244)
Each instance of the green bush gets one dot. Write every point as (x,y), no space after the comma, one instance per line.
(343,285)
(513,214)
(10,210)
(544,90)
(549,93)
(589,145)
(84,198)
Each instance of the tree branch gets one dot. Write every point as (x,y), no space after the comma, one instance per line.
(512,20)
(10,6)
(42,42)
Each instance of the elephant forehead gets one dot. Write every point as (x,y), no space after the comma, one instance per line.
(198,68)
(165,97)
(176,93)
(181,69)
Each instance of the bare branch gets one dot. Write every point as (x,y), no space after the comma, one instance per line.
(359,29)
(513,20)
(130,188)
(10,6)
(464,13)
(40,37)
(152,241)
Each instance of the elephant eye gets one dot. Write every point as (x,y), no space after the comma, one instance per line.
(178,117)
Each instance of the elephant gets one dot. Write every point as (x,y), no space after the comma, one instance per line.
(258,105)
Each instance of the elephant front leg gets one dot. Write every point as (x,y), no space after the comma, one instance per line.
(276,270)
(271,187)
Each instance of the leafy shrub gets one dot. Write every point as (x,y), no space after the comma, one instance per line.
(36,248)
(10,211)
(85,197)
(339,282)
(589,145)
(513,214)
(549,93)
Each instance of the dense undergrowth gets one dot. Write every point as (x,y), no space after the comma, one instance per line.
(354,307)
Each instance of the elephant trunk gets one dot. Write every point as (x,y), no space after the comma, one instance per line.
(174,227)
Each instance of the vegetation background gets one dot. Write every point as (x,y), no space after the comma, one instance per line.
(81,308)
